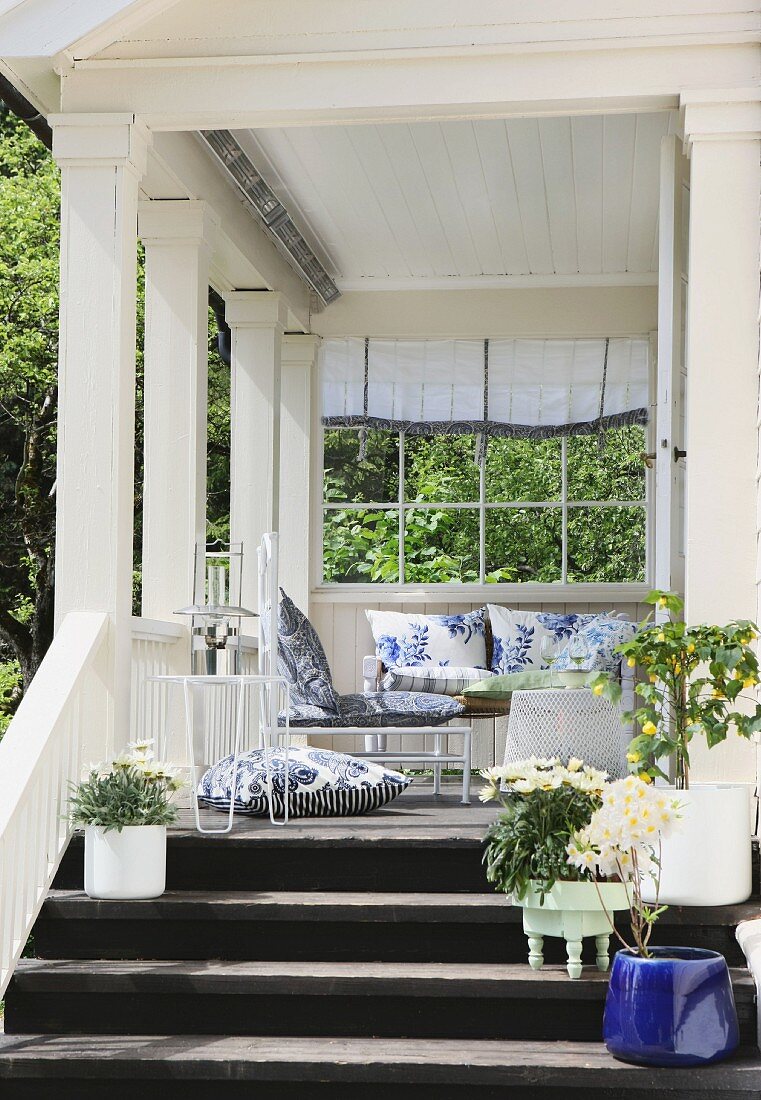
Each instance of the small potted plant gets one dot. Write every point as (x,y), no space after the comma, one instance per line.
(665,1006)
(124,808)
(698,681)
(544,803)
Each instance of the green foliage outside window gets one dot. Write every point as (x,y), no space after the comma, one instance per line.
(552,486)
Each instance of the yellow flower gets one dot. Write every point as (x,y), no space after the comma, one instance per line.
(598,689)
(645,777)
(691,647)
(631,662)
(650,729)
(653,678)
(750,682)
(633,757)
(663,601)
(677,667)
(717,694)
(661,636)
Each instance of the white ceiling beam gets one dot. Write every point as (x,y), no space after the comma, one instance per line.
(45,28)
(238,93)
(245,256)
(497,282)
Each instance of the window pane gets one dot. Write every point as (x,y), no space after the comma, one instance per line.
(360,546)
(523,469)
(441,545)
(524,544)
(441,468)
(606,544)
(376,479)
(616,472)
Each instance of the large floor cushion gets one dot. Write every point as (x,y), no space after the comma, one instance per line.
(407,640)
(320,783)
(302,661)
(380,708)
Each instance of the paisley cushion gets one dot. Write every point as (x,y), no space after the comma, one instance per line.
(320,783)
(302,661)
(381,708)
(402,639)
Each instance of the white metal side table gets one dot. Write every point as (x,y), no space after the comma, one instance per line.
(269,695)
(566,722)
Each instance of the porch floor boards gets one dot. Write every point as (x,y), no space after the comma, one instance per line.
(347,957)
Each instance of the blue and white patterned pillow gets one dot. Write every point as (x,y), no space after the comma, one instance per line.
(301,659)
(408,640)
(600,638)
(518,637)
(320,783)
(376,709)
(438,679)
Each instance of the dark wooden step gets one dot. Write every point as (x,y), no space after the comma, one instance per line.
(400,1000)
(331,926)
(160,1068)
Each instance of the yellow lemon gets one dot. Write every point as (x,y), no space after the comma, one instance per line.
(633,757)
(645,777)
(653,679)
(717,694)
(649,729)
(750,682)
(631,662)
(691,647)
(598,689)
(661,636)
(663,601)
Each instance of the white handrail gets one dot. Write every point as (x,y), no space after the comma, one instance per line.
(62,722)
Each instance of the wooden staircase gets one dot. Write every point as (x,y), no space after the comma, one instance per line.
(328,960)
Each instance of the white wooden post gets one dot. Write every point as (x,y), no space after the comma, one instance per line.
(102,158)
(178,239)
(298,359)
(723,132)
(257,322)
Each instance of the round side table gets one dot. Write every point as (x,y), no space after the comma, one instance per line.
(566,722)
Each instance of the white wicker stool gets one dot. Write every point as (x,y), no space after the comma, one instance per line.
(566,722)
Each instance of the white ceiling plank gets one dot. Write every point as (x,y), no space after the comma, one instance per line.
(402,153)
(557,165)
(618,165)
(470,182)
(491,138)
(586,135)
(438,169)
(643,214)
(526,154)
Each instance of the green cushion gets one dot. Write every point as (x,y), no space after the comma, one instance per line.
(502,687)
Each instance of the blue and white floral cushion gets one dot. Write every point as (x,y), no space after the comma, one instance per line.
(301,659)
(417,640)
(600,638)
(440,679)
(518,637)
(380,708)
(319,783)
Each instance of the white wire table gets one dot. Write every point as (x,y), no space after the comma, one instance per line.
(566,722)
(271,694)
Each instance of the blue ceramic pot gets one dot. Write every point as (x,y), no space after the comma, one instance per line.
(675,1009)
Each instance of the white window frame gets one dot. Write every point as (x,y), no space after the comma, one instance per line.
(404,592)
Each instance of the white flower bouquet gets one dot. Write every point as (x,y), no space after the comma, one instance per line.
(134,789)
(623,840)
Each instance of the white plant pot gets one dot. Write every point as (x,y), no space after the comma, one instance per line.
(707,859)
(126,865)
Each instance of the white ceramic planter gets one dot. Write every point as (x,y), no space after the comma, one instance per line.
(126,865)
(707,859)
(571,911)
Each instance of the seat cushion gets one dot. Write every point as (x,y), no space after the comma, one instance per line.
(502,687)
(407,640)
(301,659)
(597,641)
(436,679)
(320,783)
(380,708)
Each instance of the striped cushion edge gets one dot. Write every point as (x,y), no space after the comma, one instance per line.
(328,802)
(438,680)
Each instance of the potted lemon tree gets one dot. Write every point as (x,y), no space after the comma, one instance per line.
(544,804)
(124,808)
(697,681)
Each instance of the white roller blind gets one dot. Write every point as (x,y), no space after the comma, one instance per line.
(540,386)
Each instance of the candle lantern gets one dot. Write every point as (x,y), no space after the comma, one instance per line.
(216,613)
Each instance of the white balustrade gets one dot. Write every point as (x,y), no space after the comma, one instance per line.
(59,727)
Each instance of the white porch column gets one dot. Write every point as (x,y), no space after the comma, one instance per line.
(102,158)
(723,132)
(178,239)
(257,320)
(298,358)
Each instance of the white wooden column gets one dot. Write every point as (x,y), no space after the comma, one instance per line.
(298,359)
(723,132)
(257,321)
(178,239)
(102,158)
